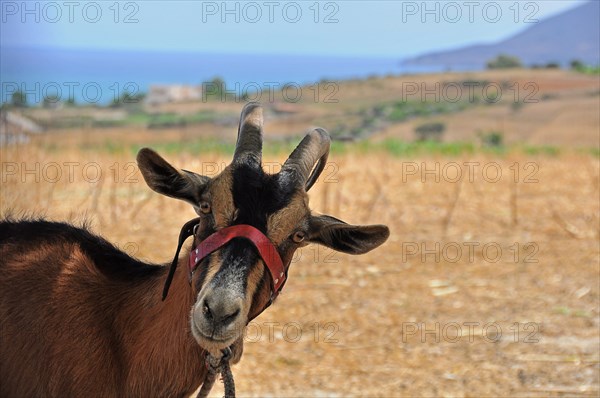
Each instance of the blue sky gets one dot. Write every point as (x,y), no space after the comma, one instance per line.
(357,28)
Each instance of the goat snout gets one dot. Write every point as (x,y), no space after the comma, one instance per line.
(219,312)
(216,316)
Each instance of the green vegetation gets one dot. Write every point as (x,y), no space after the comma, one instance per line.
(541,150)
(67,122)
(577,64)
(135,118)
(379,115)
(575,312)
(166,120)
(594,152)
(128,100)
(549,65)
(214,90)
(516,106)
(18,99)
(552,65)
(580,67)
(391,146)
(504,61)
(430,131)
(404,110)
(492,139)
(401,148)
(197,146)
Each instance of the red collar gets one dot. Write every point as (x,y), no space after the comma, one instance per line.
(266,249)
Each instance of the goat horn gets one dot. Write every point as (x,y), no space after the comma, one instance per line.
(314,148)
(249,140)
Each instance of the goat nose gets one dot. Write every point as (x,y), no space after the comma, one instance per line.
(220,312)
(206,310)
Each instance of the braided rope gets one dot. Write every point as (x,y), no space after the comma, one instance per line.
(228,382)
(215,367)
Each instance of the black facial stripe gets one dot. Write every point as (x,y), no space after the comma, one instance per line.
(203,267)
(238,257)
(205,230)
(259,288)
(257,195)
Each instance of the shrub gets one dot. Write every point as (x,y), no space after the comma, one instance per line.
(19,99)
(430,131)
(577,65)
(516,106)
(504,61)
(492,139)
(580,67)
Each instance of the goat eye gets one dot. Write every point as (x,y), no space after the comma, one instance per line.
(298,236)
(205,207)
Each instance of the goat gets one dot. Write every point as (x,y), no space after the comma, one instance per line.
(82,318)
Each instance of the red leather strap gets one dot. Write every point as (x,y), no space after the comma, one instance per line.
(266,249)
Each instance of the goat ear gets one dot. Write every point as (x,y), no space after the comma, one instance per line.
(346,238)
(167,180)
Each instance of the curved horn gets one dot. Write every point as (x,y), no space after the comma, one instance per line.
(249,140)
(314,148)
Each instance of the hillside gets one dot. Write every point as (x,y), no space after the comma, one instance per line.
(574,34)
(528,107)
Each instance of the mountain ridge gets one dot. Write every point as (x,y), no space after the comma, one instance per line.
(573,34)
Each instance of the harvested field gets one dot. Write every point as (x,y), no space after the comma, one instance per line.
(488,285)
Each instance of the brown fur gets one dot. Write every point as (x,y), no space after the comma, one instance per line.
(281,223)
(73,332)
(223,209)
(81,318)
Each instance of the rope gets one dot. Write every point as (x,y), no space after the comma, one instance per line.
(218,366)
(208,384)
(228,382)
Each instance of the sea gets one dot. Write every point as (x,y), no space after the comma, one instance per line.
(99,76)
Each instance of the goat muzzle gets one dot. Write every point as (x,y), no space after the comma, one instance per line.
(266,249)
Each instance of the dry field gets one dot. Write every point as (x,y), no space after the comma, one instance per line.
(488,285)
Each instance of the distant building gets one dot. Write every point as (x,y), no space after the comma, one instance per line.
(15,128)
(164,94)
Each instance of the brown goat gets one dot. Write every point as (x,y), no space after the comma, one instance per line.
(82,318)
